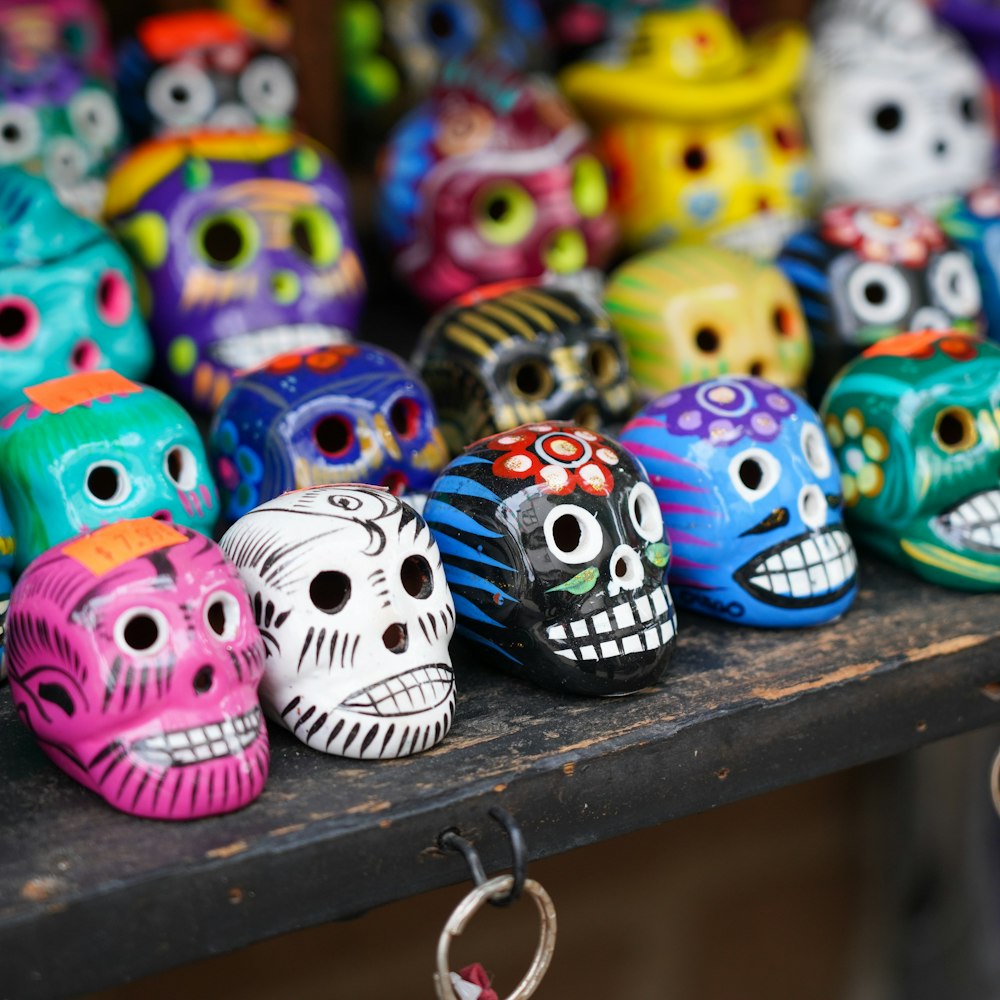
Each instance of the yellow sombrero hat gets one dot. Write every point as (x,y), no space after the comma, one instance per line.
(690,65)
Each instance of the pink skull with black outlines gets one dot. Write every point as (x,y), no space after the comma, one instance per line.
(134,659)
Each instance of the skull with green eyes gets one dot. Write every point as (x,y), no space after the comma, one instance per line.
(915,425)
(247,247)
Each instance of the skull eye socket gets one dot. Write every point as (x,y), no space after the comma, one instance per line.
(888,117)
(404,415)
(504,213)
(107,483)
(707,339)
(878,293)
(95,118)
(531,379)
(19,322)
(222,615)
(589,187)
(330,591)
(141,631)
(333,435)
(604,364)
(316,236)
(268,87)
(955,429)
(644,510)
(114,298)
(816,450)
(416,577)
(180,94)
(573,534)
(754,473)
(955,285)
(226,240)
(970,109)
(783,320)
(20,133)
(181,468)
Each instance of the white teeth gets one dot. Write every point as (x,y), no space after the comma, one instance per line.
(412,691)
(976,521)
(810,552)
(247,350)
(200,743)
(634,614)
(816,566)
(775,564)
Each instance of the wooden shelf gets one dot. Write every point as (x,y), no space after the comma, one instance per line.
(90,897)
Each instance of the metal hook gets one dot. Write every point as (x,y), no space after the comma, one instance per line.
(453,840)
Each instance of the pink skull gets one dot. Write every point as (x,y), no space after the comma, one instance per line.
(135,661)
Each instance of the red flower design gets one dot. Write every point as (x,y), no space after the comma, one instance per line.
(558,456)
(319,359)
(898,236)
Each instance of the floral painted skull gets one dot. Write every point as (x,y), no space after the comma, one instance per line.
(554,549)
(134,660)
(864,274)
(193,69)
(7,544)
(58,122)
(750,497)
(511,353)
(84,450)
(30,30)
(491,179)
(351,414)
(915,426)
(247,247)
(897,108)
(689,312)
(350,597)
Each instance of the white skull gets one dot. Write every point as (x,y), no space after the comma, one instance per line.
(897,109)
(349,593)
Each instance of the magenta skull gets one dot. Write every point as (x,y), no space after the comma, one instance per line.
(134,659)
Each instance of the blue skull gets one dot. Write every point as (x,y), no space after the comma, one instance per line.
(750,496)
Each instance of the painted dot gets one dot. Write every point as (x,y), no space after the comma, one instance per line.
(870,480)
(875,445)
(554,475)
(518,463)
(850,489)
(722,430)
(674,397)
(721,395)
(593,476)
(182,355)
(607,456)
(689,421)
(834,431)
(777,402)
(587,435)
(541,428)
(764,423)
(854,423)
(854,459)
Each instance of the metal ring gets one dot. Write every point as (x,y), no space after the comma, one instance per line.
(995,781)
(466,909)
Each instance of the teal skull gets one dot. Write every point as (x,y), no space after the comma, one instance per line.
(915,425)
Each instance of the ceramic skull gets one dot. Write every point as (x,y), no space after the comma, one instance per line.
(504,355)
(554,549)
(135,661)
(350,414)
(688,312)
(896,107)
(95,447)
(914,426)
(350,597)
(750,497)
(864,274)
(245,242)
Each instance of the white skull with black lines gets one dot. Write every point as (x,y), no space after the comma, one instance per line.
(350,596)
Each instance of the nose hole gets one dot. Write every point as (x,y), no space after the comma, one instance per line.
(395,483)
(813,507)
(85,356)
(394,638)
(757,368)
(202,682)
(621,568)
(940,147)
(162,515)
(763,203)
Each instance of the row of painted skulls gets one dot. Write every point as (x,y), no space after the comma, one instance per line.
(135,648)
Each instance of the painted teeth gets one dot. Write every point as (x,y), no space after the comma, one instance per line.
(976,521)
(405,694)
(247,350)
(648,622)
(201,743)
(818,565)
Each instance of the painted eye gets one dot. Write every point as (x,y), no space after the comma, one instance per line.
(888,117)
(226,240)
(180,95)
(20,133)
(404,416)
(644,509)
(222,615)
(107,483)
(878,293)
(416,577)
(94,118)
(181,468)
(114,298)
(970,109)
(268,88)
(141,631)
(754,473)
(531,378)
(816,450)
(589,187)
(66,161)
(707,339)
(19,322)
(573,534)
(330,591)
(695,158)
(955,429)
(604,364)
(955,285)
(316,236)
(504,213)
(451,28)
(333,435)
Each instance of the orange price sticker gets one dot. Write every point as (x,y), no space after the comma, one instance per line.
(109,547)
(61,394)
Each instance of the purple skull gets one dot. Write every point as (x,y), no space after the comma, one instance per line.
(248,250)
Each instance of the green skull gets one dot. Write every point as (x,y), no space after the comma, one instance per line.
(915,425)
